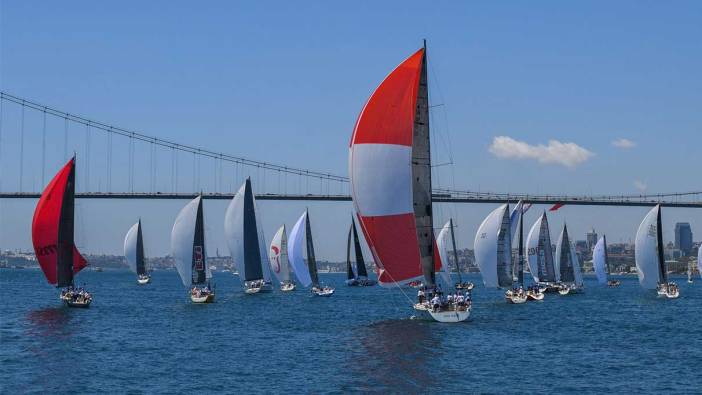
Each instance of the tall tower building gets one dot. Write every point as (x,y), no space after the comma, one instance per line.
(683,237)
(591,239)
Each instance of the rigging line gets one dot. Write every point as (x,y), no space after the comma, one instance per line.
(109,161)
(43,151)
(1,145)
(21,172)
(65,139)
(87,157)
(161,142)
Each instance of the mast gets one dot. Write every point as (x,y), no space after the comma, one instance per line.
(65,241)
(349,270)
(520,264)
(311,262)
(140,264)
(662,273)
(421,178)
(360,263)
(199,256)
(455,253)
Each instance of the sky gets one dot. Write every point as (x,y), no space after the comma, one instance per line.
(544,97)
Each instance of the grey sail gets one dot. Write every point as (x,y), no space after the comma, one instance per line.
(65,239)
(199,256)
(546,268)
(421,179)
(520,259)
(252,250)
(140,261)
(350,275)
(360,263)
(565,266)
(504,251)
(311,262)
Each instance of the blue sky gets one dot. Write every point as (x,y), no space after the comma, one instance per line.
(284,82)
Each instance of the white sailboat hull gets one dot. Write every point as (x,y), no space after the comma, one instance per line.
(142,281)
(324,292)
(287,287)
(446,316)
(535,295)
(515,298)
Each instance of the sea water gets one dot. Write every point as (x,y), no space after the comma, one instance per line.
(151,339)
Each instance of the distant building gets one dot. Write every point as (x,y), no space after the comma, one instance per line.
(591,239)
(683,237)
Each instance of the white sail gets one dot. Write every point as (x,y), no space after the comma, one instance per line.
(278,255)
(532,245)
(262,245)
(599,261)
(443,241)
(699,260)
(130,247)
(646,250)
(493,248)
(296,251)
(182,239)
(577,270)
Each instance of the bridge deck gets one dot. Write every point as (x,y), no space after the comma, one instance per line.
(437,197)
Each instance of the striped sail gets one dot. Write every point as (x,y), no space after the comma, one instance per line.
(493,248)
(390,173)
(646,250)
(599,260)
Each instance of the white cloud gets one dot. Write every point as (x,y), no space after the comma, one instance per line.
(640,185)
(556,152)
(623,143)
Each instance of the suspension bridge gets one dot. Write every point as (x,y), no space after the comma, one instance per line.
(105,172)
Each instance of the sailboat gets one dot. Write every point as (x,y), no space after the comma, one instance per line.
(648,250)
(390,174)
(360,278)
(306,273)
(442,242)
(517,219)
(568,265)
(541,256)
(493,253)
(600,262)
(278,257)
(134,253)
(689,271)
(188,251)
(53,236)
(244,235)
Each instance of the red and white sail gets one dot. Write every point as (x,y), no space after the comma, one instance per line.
(52,229)
(391,175)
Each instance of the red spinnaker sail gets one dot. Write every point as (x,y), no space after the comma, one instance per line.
(45,225)
(380,168)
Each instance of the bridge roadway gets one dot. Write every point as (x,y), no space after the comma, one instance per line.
(626,201)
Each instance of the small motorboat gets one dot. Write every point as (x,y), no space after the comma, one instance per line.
(202,295)
(287,286)
(325,291)
(516,296)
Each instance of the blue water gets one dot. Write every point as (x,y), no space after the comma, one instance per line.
(150,339)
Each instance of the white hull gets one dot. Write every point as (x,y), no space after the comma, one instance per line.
(324,292)
(564,290)
(671,291)
(287,287)
(535,296)
(515,298)
(142,281)
(467,286)
(446,316)
(203,299)
(262,289)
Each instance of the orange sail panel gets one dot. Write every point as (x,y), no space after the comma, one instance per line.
(380,168)
(52,229)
